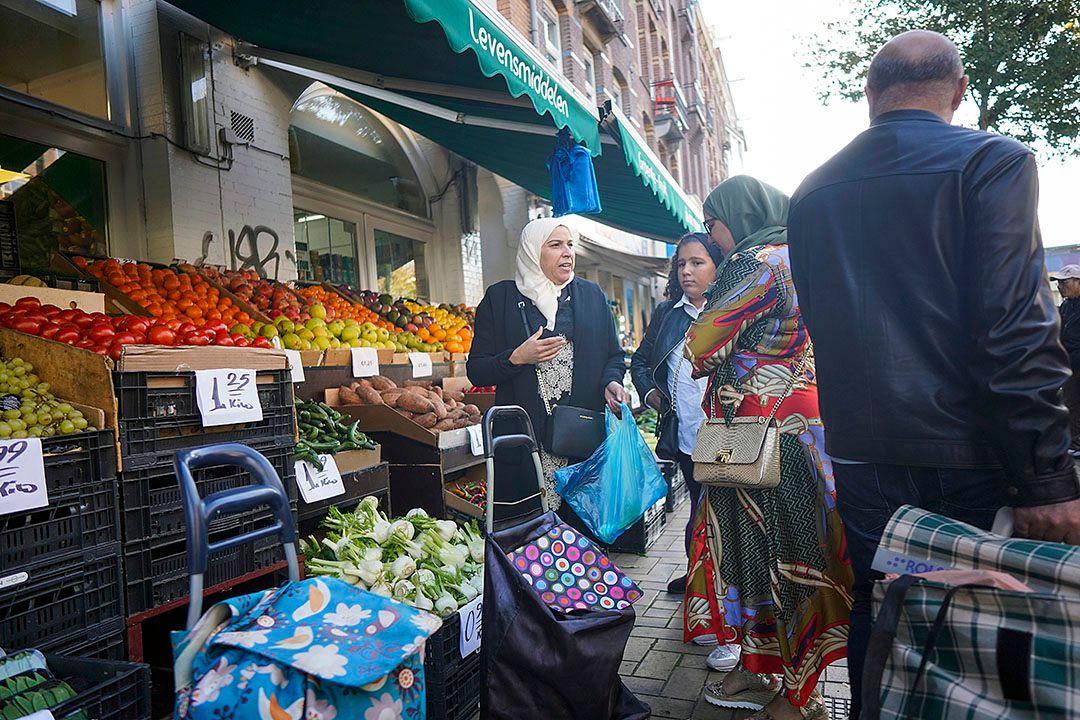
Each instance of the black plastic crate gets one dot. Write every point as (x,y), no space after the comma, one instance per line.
(151,501)
(678,493)
(642,534)
(107,690)
(157,569)
(102,643)
(158,413)
(453,682)
(48,604)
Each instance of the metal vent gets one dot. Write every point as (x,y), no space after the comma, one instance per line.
(243,126)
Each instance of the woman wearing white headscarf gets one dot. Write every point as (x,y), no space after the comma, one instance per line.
(547,325)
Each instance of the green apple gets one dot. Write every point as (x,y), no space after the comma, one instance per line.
(291,341)
(317,311)
(355,342)
(269,331)
(351,332)
(321,343)
(312,323)
(306,334)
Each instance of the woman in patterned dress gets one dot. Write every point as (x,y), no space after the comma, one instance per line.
(768,569)
(545,338)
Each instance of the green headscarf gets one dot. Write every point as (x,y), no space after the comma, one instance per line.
(755,213)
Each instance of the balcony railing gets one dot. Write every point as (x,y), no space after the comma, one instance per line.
(605,15)
(696,102)
(668,99)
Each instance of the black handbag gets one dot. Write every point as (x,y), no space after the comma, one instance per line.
(667,430)
(571,432)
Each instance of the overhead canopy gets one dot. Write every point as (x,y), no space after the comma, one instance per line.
(498,106)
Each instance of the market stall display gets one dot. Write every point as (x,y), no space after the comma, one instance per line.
(427,405)
(322,431)
(70,688)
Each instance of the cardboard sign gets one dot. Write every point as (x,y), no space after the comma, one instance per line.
(296,365)
(476,439)
(316,485)
(227,396)
(365,362)
(472,616)
(421,364)
(22,476)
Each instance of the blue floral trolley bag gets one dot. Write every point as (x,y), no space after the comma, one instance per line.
(317,649)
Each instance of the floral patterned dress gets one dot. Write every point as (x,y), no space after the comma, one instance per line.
(768,568)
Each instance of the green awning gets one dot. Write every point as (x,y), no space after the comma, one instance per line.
(498,106)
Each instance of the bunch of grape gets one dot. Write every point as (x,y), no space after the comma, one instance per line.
(28,409)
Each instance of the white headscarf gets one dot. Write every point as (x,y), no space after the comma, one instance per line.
(531,280)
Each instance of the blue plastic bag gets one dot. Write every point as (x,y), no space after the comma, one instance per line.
(573,179)
(614,487)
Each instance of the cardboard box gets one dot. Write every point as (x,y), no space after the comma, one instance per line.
(311,358)
(484,401)
(352,461)
(85,301)
(116,302)
(456,384)
(380,418)
(138,358)
(342,357)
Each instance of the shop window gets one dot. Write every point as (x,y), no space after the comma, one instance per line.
(336,141)
(53,51)
(58,202)
(325,248)
(399,265)
(549,36)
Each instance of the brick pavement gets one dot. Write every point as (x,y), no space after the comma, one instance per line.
(657,666)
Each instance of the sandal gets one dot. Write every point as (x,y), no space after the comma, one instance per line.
(814,709)
(760,691)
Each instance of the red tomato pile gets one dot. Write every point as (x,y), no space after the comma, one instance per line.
(107,335)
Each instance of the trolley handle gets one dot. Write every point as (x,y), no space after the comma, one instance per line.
(508,412)
(199,512)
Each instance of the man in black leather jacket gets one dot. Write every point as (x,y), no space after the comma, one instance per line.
(917,258)
(1068,280)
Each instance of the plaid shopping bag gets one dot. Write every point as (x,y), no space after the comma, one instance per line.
(970,651)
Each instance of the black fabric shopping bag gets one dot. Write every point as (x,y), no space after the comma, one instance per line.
(542,664)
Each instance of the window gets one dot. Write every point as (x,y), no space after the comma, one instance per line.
(325,248)
(399,265)
(53,50)
(590,74)
(549,32)
(336,141)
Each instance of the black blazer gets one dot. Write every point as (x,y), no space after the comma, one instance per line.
(598,359)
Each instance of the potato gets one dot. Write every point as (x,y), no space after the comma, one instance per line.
(464,423)
(417,390)
(472,409)
(415,403)
(369,395)
(458,396)
(381,383)
(427,420)
(348,397)
(436,392)
(390,397)
(418,383)
(445,424)
(440,408)
(474,419)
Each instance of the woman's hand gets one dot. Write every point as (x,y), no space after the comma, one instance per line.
(656,400)
(534,350)
(615,395)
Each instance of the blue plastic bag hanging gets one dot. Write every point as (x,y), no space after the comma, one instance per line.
(612,489)
(573,178)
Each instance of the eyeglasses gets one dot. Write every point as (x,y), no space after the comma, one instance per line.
(709,222)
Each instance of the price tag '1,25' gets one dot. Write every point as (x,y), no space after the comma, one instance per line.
(318,485)
(22,476)
(296,365)
(476,439)
(227,396)
(365,362)
(421,364)
(472,616)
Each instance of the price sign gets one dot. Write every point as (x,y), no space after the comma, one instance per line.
(421,364)
(476,439)
(40,715)
(227,396)
(472,617)
(22,476)
(316,485)
(296,365)
(365,362)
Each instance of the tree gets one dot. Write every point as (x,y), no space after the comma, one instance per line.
(1023,58)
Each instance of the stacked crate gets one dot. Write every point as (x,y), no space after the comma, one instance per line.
(60,572)
(158,414)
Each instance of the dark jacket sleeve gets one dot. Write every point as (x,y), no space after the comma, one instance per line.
(489,364)
(1070,332)
(644,360)
(1022,365)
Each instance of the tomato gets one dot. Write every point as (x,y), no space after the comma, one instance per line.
(161,335)
(218,327)
(185,328)
(114,352)
(123,338)
(241,341)
(49,331)
(101,334)
(86,344)
(68,336)
(51,311)
(223,340)
(4,307)
(137,324)
(26,325)
(197,339)
(28,302)
(261,342)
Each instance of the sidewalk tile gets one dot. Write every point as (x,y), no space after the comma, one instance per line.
(686,683)
(657,665)
(636,647)
(644,686)
(669,707)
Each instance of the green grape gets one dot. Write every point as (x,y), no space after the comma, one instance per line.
(12,414)
(67,427)
(80,423)
(49,431)
(30,418)
(17,425)
(17,361)
(43,388)
(65,408)
(19,371)
(35,431)
(20,434)
(5,430)
(32,379)
(75,414)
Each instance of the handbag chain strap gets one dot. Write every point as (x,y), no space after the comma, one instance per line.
(796,374)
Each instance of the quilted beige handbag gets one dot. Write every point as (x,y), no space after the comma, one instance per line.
(745,453)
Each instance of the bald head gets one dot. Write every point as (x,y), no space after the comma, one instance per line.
(917,70)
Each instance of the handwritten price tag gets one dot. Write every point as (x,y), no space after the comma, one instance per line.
(227,396)
(421,364)
(296,365)
(365,362)
(22,476)
(472,618)
(476,439)
(316,485)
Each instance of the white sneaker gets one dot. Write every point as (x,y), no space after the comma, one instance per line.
(724,658)
(705,640)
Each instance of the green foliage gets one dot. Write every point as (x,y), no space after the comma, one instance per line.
(1022,56)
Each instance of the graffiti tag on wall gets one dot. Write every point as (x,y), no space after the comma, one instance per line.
(244,251)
